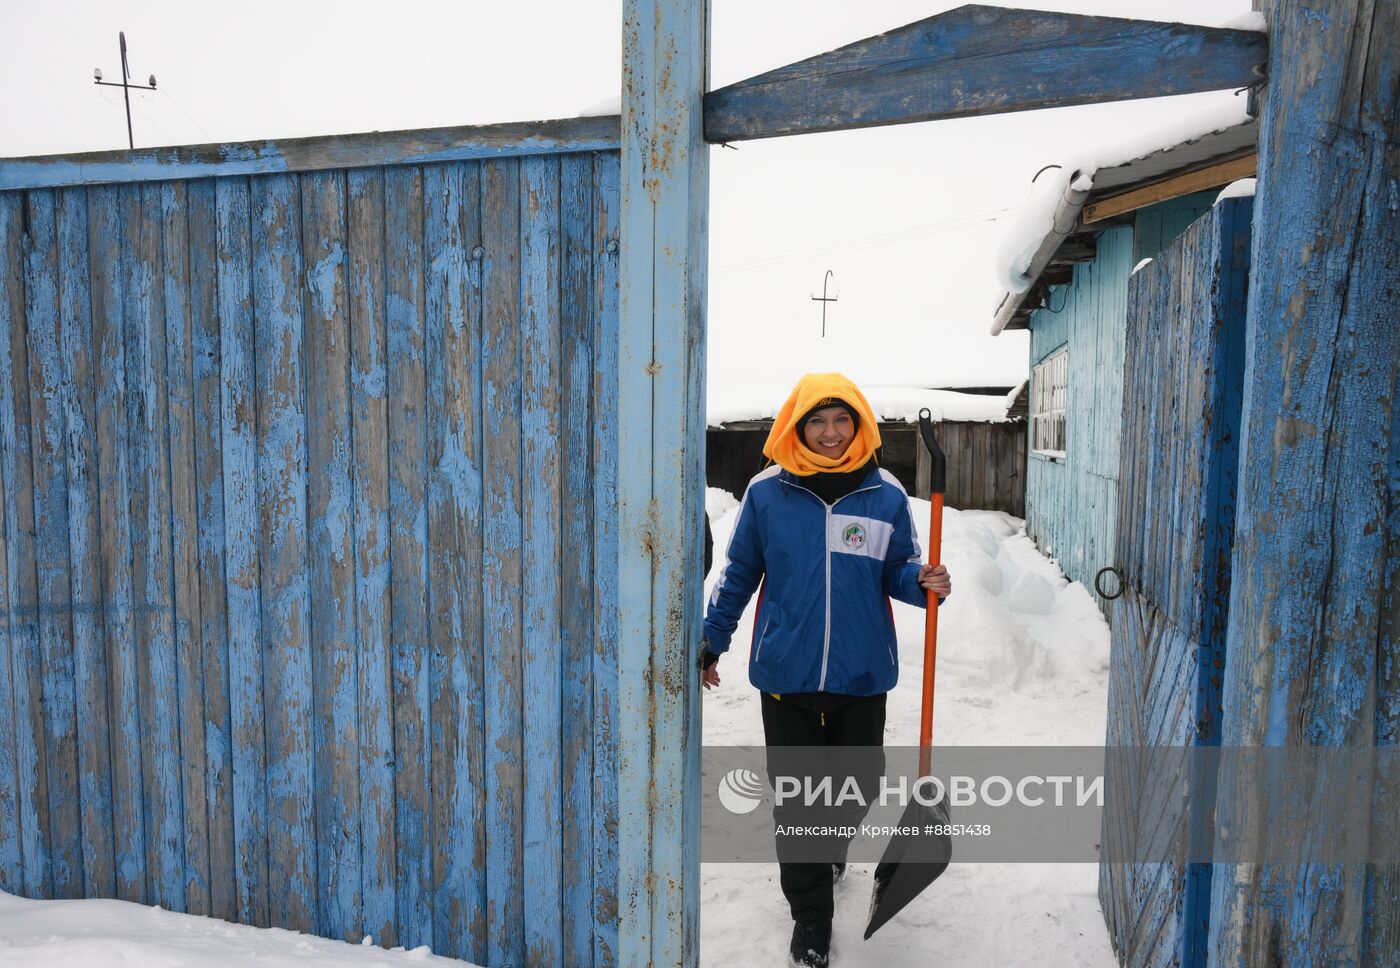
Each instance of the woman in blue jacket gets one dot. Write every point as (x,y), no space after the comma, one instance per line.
(826,539)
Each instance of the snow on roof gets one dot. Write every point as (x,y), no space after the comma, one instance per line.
(1244,188)
(889,403)
(1035,222)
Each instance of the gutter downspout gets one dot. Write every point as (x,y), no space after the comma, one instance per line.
(1062,225)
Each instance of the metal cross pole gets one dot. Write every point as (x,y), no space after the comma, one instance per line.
(824,300)
(125,85)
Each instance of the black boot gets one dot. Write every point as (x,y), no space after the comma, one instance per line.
(811,944)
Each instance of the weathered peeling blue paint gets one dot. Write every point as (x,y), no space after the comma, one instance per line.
(84,536)
(32,876)
(331,560)
(411,717)
(11,315)
(108,272)
(144,346)
(664,218)
(502,564)
(542,446)
(576,552)
(291,471)
(46,385)
(1312,549)
(180,294)
(370,149)
(369,394)
(279,328)
(1183,371)
(984,60)
(606,738)
(209,523)
(451,229)
(238,409)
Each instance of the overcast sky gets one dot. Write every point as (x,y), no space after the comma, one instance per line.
(907,217)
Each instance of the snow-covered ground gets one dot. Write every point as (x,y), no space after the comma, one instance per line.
(1022,660)
(117,934)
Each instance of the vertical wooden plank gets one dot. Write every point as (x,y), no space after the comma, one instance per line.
(184,540)
(47,393)
(665,197)
(1178,465)
(84,537)
(207,453)
(577,440)
(243,586)
(369,432)
(451,233)
(11,316)
(31,788)
(332,558)
(541,447)
(607,260)
(1311,534)
(282,550)
(149,469)
(108,256)
(408,521)
(501,559)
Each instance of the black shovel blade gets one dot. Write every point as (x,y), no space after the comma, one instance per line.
(910,862)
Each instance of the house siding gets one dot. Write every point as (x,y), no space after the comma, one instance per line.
(1072,504)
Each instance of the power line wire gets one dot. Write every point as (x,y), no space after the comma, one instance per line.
(187,114)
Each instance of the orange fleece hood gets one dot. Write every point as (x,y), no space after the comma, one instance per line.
(785,446)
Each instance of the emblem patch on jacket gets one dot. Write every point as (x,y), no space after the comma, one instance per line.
(853,536)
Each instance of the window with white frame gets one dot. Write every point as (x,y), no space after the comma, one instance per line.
(1049,394)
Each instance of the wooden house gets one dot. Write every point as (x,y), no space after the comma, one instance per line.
(1076,306)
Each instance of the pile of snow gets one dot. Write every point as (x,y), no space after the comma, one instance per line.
(1033,223)
(1244,188)
(1022,660)
(889,403)
(118,934)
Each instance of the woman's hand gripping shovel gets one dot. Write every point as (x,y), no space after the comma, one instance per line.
(912,863)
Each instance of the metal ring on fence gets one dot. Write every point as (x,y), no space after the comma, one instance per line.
(1098,583)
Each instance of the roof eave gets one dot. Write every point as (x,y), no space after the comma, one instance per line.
(1062,226)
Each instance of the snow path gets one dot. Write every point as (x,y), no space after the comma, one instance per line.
(1022,660)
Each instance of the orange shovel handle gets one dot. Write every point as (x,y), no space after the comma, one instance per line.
(935,551)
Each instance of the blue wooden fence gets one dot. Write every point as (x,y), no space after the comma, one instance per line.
(1182,378)
(307,477)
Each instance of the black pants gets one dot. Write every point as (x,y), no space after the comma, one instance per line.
(815,720)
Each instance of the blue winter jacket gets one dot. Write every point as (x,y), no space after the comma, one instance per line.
(824,621)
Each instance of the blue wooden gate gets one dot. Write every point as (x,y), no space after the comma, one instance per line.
(307,477)
(1183,374)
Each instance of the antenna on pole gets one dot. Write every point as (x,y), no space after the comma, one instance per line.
(125,85)
(823,299)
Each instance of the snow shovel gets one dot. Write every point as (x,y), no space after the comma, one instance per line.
(913,862)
